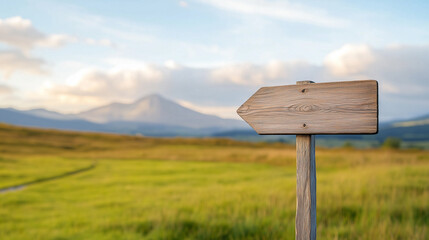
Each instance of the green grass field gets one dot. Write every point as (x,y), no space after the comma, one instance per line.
(144,188)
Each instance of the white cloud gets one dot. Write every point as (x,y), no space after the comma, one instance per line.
(221,111)
(56,40)
(20,33)
(281,10)
(172,64)
(349,60)
(401,71)
(270,73)
(241,74)
(100,86)
(12,61)
(5,90)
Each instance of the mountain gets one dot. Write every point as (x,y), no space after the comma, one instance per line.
(152,116)
(419,121)
(414,129)
(40,112)
(23,118)
(157,110)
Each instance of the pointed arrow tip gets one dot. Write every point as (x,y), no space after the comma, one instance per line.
(242,109)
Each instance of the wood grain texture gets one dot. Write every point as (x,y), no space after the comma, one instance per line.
(305,221)
(318,108)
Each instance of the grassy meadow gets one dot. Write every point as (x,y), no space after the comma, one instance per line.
(147,188)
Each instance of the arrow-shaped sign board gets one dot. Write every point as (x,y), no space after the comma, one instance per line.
(317,108)
(307,109)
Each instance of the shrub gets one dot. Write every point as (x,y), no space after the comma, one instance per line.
(347,144)
(392,143)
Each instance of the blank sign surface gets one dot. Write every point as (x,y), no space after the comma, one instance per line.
(317,108)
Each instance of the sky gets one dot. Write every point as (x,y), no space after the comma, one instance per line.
(209,55)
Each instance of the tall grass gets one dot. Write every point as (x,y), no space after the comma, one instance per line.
(144,188)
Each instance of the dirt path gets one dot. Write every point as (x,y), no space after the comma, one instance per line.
(21,186)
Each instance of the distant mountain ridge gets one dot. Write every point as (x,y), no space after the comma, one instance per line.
(154,115)
(40,112)
(151,115)
(156,109)
(413,129)
(24,118)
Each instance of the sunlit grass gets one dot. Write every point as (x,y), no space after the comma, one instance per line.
(202,189)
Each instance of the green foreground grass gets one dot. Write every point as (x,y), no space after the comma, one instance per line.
(145,188)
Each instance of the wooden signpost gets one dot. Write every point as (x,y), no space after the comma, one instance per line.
(307,109)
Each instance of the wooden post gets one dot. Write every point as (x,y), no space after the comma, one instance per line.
(307,109)
(305,219)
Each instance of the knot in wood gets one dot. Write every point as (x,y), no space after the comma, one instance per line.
(305,108)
